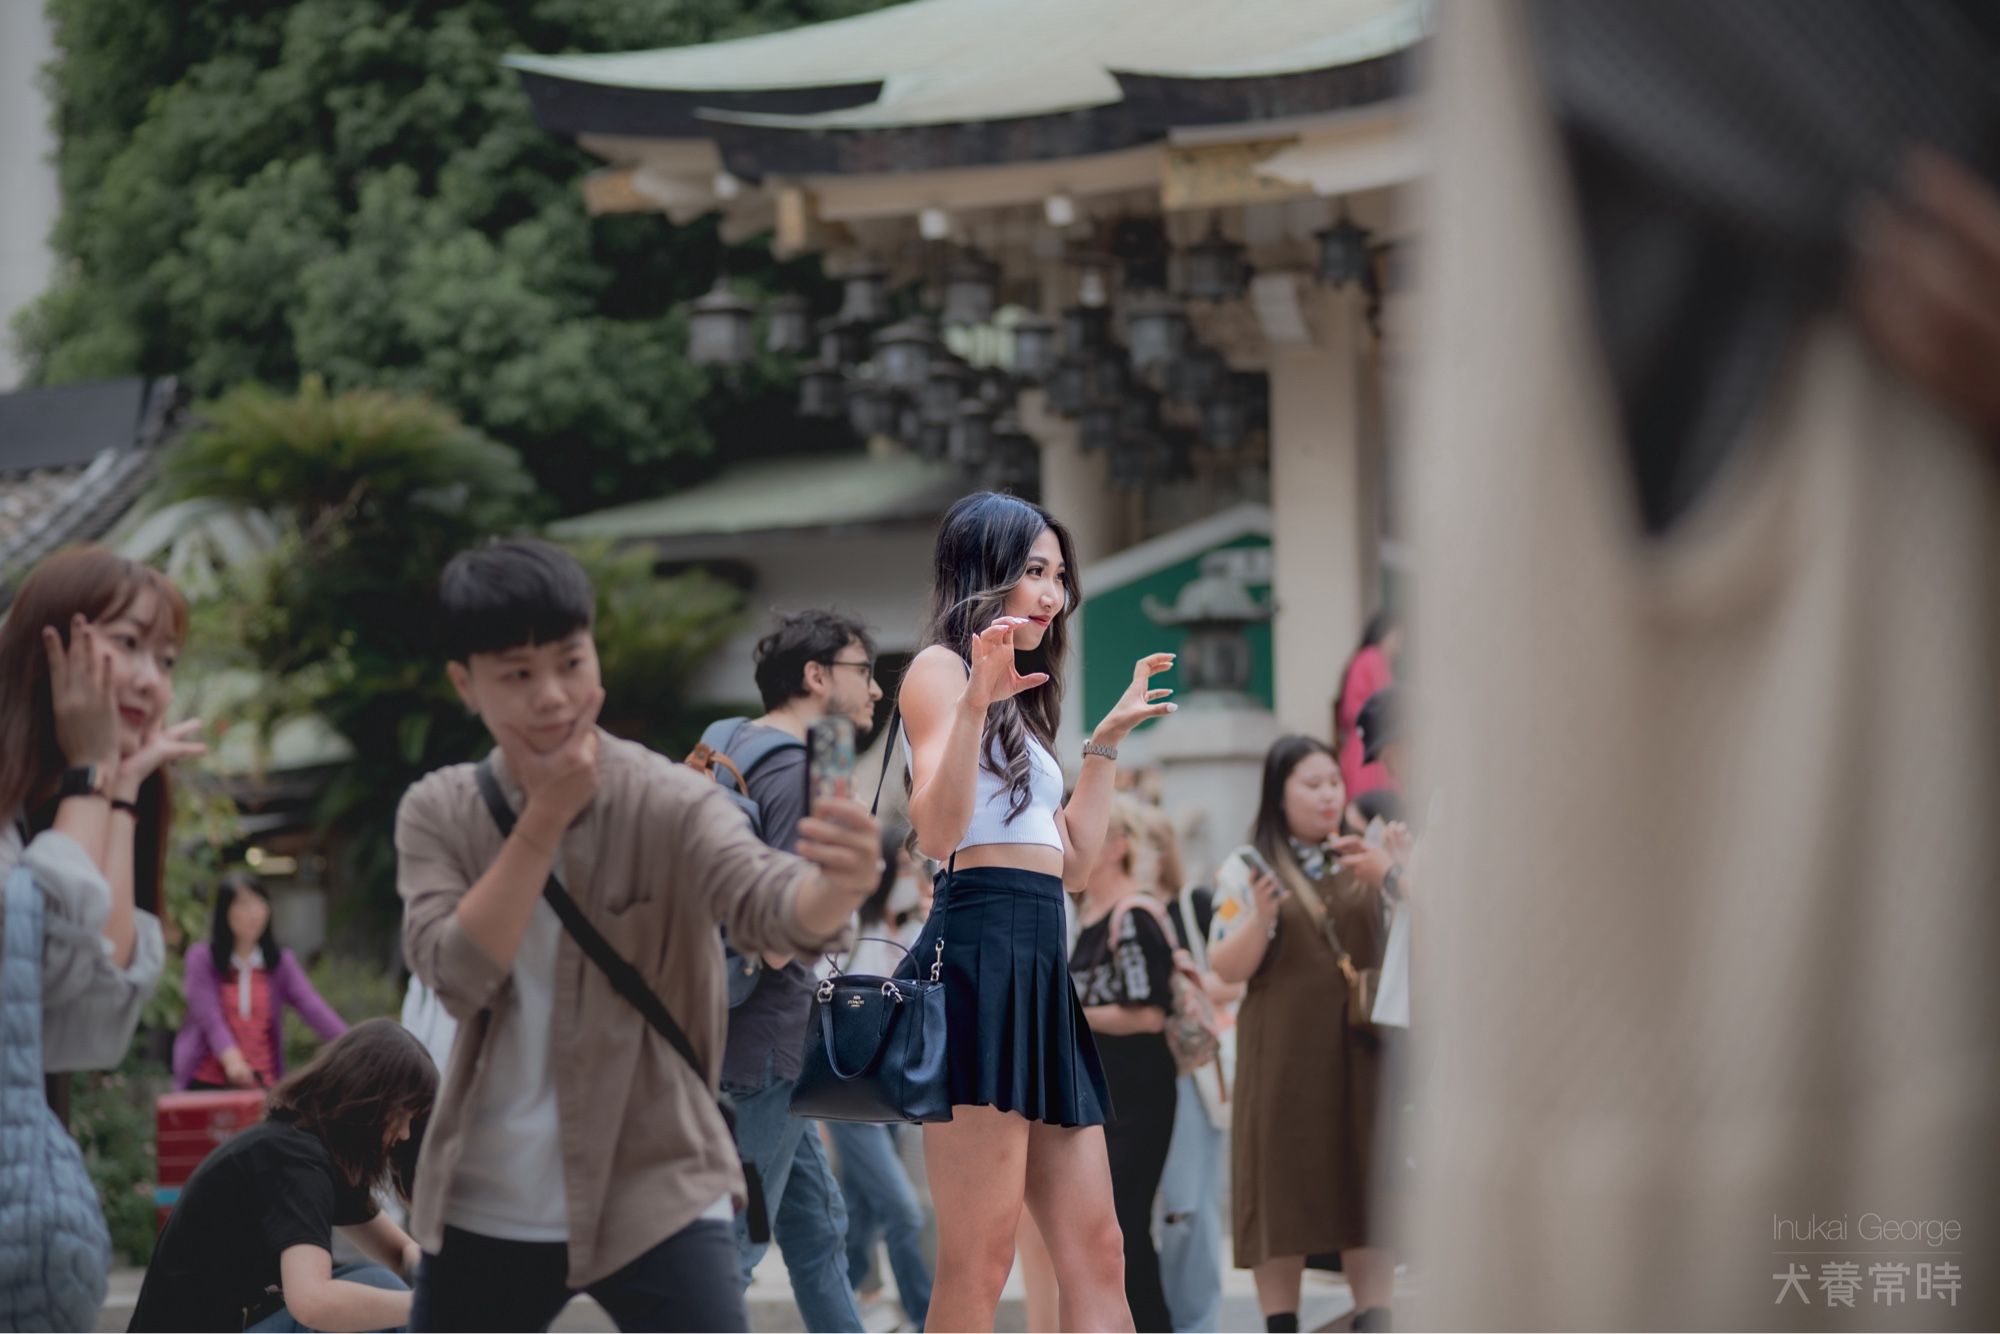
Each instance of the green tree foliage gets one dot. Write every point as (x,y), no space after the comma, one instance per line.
(255,190)
(374,492)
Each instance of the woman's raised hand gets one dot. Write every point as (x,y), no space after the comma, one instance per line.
(162,746)
(1139,702)
(993,676)
(85,699)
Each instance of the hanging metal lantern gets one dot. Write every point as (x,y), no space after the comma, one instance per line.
(933,440)
(1014,463)
(1085,329)
(1343,253)
(944,387)
(788,326)
(1225,418)
(1034,347)
(972,434)
(1138,415)
(1156,331)
(864,296)
(721,328)
(871,408)
(842,342)
(971,290)
(822,392)
(1195,376)
(1106,380)
(1097,427)
(1127,471)
(1213,269)
(1066,387)
(906,350)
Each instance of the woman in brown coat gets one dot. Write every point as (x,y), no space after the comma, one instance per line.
(1308,1085)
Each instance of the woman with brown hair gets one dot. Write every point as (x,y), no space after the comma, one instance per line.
(1292,922)
(87,656)
(250,1245)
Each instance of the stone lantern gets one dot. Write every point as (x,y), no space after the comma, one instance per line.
(721,328)
(971,290)
(945,385)
(1343,253)
(1213,610)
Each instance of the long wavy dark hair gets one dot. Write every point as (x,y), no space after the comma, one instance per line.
(353,1091)
(982,552)
(222,937)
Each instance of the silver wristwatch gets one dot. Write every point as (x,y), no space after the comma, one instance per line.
(1098,748)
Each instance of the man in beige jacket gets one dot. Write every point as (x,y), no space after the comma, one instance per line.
(572,1148)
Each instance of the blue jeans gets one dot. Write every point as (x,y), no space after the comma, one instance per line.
(808,1217)
(882,1200)
(374,1276)
(1189,1213)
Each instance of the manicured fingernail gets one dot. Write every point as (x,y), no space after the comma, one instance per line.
(1173,708)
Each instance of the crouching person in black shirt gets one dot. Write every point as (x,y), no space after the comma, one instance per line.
(250,1245)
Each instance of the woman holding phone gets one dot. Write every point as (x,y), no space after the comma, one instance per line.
(980,706)
(1307,1081)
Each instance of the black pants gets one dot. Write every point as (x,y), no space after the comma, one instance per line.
(689,1281)
(1143,1092)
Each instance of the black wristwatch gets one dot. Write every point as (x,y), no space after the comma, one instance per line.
(85,780)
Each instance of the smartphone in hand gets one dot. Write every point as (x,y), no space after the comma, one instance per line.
(1255,861)
(829,759)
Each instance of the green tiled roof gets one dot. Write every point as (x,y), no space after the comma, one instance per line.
(774,495)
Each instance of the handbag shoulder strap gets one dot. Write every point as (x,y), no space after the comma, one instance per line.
(625,979)
(1307,894)
(21,993)
(888,756)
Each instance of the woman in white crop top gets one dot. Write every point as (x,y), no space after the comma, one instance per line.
(980,705)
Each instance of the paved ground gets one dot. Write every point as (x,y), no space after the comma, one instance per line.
(771,1308)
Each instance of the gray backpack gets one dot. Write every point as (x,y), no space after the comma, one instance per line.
(729,757)
(55,1253)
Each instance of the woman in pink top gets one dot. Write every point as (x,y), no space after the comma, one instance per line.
(1370,669)
(238,984)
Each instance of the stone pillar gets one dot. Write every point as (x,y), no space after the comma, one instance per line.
(1076,487)
(1323,516)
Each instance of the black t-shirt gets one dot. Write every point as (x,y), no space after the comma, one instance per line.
(773,1020)
(1135,970)
(271,1187)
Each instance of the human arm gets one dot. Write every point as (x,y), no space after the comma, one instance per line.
(1246,916)
(944,716)
(201,984)
(318,1300)
(1086,816)
(1117,1021)
(769,901)
(299,993)
(778,786)
(90,1005)
(383,1242)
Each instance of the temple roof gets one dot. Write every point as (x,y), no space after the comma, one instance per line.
(1031,78)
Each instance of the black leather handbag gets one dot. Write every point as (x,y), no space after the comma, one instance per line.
(875,1047)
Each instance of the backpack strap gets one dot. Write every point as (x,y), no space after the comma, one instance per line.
(888,758)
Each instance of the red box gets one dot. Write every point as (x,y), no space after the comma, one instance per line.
(186,1129)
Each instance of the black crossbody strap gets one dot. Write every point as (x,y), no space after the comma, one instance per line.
(888,757)
(625,979)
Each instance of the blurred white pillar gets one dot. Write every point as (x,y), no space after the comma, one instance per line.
(26,262)
(1323,518)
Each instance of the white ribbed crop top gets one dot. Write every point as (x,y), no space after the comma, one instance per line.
(992,799)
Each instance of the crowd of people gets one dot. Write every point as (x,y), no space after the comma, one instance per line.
(615,963)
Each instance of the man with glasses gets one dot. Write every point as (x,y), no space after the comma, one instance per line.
(813,665)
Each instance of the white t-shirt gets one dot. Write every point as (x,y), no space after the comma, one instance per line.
(509,1182)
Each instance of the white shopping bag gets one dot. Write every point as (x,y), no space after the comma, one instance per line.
(1392,993)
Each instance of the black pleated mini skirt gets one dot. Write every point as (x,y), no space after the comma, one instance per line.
(1013,1022)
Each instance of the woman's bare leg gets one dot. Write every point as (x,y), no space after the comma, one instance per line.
(1069,1194)
(1038,1279)
(977,1165)
(1371,1273)
(1278,1284)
